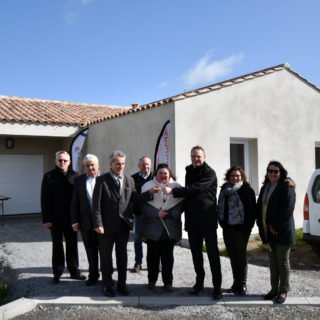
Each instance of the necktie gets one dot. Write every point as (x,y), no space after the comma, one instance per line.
(118,183)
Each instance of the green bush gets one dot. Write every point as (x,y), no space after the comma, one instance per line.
(299,242)
(299,237)
(222,251)
(3,293)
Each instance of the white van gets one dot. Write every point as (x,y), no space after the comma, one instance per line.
(311,213)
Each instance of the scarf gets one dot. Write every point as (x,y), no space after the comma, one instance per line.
(235,214)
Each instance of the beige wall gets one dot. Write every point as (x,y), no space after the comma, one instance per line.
(135,135)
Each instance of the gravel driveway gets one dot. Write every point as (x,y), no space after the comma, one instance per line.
(25,250)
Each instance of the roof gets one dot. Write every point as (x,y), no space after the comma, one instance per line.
(67,113)
(52,112)
(219,86)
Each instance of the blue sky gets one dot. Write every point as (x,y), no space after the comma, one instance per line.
(123,51)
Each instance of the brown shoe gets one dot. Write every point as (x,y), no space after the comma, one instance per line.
(281,298)
(270,295)
(137,268)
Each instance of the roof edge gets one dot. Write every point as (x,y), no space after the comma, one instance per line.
(225,83)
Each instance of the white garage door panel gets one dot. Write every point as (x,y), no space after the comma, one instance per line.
(20,179)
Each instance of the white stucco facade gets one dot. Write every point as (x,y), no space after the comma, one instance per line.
(276,116)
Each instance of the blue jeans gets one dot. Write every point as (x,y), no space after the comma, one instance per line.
(137,240)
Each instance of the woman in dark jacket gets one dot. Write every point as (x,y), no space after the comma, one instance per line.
(276,226)
(237,215)
(161,226)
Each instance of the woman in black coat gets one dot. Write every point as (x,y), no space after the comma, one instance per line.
(161,226)
(237,215)
(276,226)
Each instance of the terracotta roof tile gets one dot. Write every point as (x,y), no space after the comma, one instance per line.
(16,109)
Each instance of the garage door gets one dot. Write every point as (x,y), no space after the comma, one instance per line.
(20,179)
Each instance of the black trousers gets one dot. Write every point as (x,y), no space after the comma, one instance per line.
(161,250)
(107,241)
(91,244)
(196,245)
(236,242)
(58,258)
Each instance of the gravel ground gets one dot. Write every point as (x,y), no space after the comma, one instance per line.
(25,253)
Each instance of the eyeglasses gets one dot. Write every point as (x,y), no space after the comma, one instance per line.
(273,171)
(63,160)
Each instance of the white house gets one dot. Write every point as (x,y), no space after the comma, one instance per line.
(31,131)
(249,120)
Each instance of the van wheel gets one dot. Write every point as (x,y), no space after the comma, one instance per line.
(316,249)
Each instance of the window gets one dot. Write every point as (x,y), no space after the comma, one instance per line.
(316,190)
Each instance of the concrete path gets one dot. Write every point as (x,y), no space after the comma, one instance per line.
(23,305)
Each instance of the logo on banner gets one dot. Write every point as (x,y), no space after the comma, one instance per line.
(162,154)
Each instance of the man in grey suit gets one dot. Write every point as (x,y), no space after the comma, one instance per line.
(113,198)
(82,215)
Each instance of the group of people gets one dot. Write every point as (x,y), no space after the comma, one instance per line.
(106,207)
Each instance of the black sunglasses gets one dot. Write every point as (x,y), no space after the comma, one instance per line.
(273,171)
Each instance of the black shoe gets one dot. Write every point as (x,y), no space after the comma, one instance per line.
(137,268)
(242,290)
(231,290)
(91,282)
(78,276)
(56,279)
(217,294)
(270,295)
(196,289)
(123,290)
(234,287)
(108,292)
(168,288)
(151,286)
(281,298)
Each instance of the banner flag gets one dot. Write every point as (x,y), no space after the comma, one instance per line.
(162,154)
(76,148)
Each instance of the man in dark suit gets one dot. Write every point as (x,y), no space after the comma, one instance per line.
(201,218)
(140,178)
(56,193)
(82,215)
(113,219)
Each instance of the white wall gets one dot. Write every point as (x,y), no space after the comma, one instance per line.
(37,130)
(279,110)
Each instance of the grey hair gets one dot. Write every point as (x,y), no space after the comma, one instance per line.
(142,158)
(116,154)
(62,152)
(90,157)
